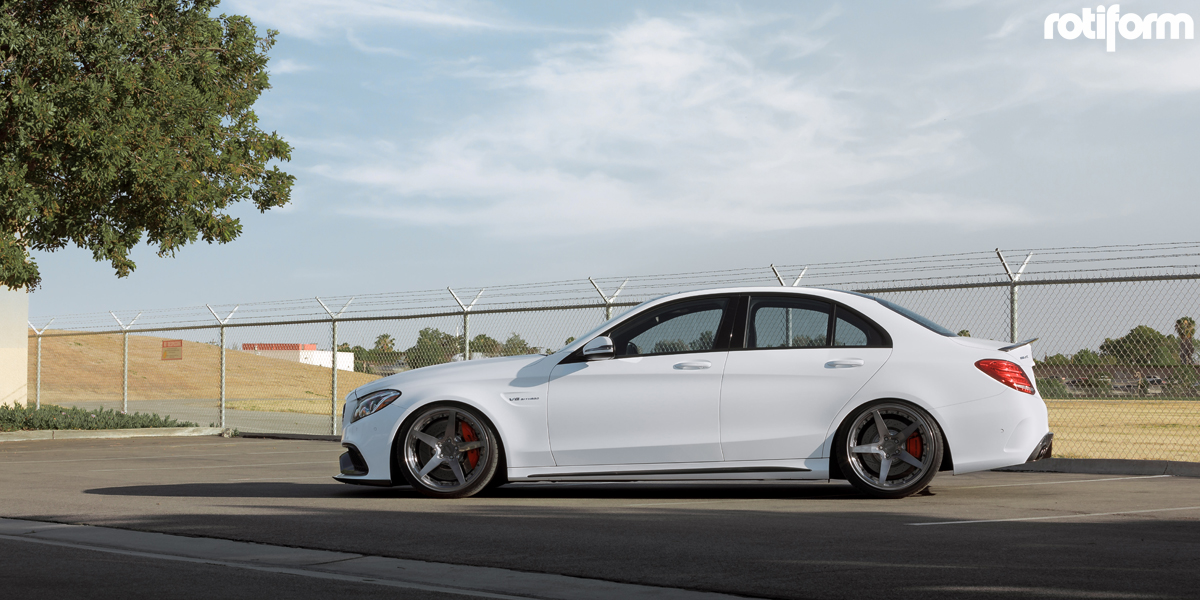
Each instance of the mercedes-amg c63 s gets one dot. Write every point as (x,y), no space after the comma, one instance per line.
(744,383)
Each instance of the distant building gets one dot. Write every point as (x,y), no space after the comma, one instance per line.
(306,354)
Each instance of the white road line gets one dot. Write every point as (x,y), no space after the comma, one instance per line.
(322,462)
(161,456)
(979,487)
(271,569)
(1108,514)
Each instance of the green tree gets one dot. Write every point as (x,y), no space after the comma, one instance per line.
(1087,357)
(964,333)
(1186,329)
(485,344)
(124,120)
(385,343)
(1057,359)
(515,346)
(1142,346)
(433,347)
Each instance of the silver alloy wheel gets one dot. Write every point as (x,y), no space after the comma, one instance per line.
(879,443)
(438,453)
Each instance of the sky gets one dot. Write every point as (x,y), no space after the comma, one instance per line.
(474,143)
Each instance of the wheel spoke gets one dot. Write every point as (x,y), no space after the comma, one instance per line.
(884,465)
(903,435)
(425,438)
(470,446)
(867,449)
(451,430)
(457,468)
(881,426)
(431,465)
(910,459)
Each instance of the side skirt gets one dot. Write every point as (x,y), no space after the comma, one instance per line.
(792,469)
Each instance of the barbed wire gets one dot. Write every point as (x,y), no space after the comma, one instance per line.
(1065,262)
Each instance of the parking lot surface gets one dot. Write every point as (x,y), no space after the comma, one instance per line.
(984,535)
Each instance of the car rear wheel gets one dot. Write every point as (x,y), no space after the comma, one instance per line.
(889,449)
(447,451)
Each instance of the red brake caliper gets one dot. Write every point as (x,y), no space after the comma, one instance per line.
(913,445)
(468,435)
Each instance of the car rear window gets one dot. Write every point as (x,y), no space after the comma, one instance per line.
(920,320)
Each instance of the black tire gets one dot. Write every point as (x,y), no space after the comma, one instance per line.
(907,465)
(442,462)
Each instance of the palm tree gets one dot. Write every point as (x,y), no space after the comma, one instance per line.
(385,343)
(1186,328)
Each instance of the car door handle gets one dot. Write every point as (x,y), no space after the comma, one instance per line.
(692,366)
(845,363)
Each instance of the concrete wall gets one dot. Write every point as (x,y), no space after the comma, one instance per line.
(14,346)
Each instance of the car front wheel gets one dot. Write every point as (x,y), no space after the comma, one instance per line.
(447,451)
(889,449)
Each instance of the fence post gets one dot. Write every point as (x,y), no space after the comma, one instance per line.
(222,376)
(37,394)
(466,311)
(221,327)
(333,356)
(608,300)
(124,359)
(1012,293)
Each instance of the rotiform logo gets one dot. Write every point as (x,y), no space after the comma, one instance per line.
(1105,25)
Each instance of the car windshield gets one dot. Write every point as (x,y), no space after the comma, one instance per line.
(920,320)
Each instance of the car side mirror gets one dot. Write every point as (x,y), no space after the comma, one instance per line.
(599,349)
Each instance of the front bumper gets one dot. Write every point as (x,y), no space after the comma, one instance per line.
(1044,448)
(354,469)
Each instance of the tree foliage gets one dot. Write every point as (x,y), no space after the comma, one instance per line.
(433,347)
(517,346)
(1186,329)
(124,120)
(1142,346)
(385,343)
(486,345)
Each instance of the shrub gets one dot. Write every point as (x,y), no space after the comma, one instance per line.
(1052,388)
(49,416)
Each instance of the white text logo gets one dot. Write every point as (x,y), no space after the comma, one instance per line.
(1105,25)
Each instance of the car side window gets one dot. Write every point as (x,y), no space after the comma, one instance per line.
(684,327)
(788,323)
(852,330)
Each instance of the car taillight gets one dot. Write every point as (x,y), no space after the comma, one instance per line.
(1008,373)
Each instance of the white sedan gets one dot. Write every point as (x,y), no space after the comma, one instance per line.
(744,383)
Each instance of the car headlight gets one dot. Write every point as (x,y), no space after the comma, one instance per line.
(374,402)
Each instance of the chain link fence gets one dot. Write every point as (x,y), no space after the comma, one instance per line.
(1115,350)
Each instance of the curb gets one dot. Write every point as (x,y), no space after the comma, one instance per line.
(1109,466)
(100,434)
(290,436)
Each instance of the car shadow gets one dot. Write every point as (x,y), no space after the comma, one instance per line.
(584,490)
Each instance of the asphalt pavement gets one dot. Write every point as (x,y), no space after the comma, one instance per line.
(983,535)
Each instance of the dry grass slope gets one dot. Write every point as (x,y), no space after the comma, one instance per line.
(88,369)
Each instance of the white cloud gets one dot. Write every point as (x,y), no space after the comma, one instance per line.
(661,124)
(315,19)
(283,66)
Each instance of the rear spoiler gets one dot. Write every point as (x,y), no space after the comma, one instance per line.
(1018,345)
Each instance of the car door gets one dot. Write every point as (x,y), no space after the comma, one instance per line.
(802,359)
(656,401)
